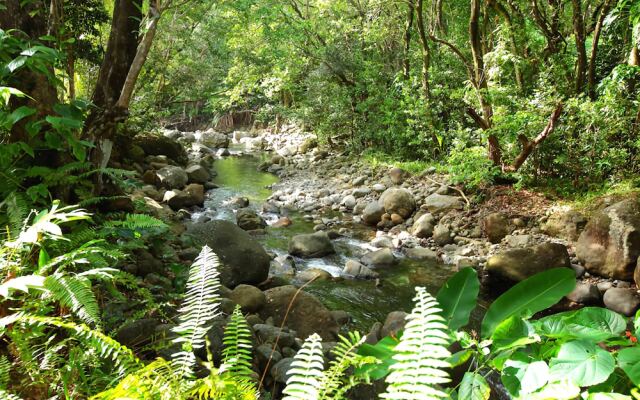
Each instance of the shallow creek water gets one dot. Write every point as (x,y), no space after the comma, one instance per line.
(363,300)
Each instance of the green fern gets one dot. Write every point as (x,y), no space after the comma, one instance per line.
(138,222)
(5,368)
(421,354)
(75,293)
(335,382)
(157,380)
(306,373)
(201,306)
(107,348)
(236,356)
(17,210)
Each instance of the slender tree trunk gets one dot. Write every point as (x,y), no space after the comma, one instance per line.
(121,51)
(529,145)
(406,66)
(579,32)
(424,43)
(71,71)
(606,7)
(142,53)
(480,79)
(512,40)
(438,24)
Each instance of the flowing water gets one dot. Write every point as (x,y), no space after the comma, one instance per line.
(363,300)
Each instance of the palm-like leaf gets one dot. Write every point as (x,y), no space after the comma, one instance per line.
(201,305)
(306,374)
(421,354)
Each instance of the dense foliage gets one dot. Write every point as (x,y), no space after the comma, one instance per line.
(439,81)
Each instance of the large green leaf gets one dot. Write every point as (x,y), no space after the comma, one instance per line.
(383,351)
(590,323)
(636,324)
(522,375)
(629,362)
(513,332)
(584,363)
(474,387)
(458,297)
(608,396)
(534,294)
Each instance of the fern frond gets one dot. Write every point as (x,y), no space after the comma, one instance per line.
(223,387)
(420,356)
(237,356)
(76,294)
(91,253)
(201,305)
(5,368)
(138,222)
(107,348)
(156,380)
(306,370)
(17,210)
(333,384)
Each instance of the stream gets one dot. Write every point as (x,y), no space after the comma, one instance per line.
(366,302)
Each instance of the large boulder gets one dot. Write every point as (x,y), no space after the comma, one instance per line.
(306,314)
(519,264)
(378,258)
(243,259)
(438,203)
(636,274)
(249,298)
(565,225)
(172,177)
(496,226)
(398,201)
(610,243)
(214,139)
(358,270)
(372,213)
(249,220)
(192,195)
(197,174)
(156,145)
(423,227)
(311,245)
(622,300)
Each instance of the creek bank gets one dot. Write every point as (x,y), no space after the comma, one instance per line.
(391,215)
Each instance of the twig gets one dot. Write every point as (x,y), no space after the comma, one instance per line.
(451,187)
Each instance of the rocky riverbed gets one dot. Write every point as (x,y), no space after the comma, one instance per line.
(282,212)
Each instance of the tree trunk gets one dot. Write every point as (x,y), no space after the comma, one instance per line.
(71,71)
(406,66)
(529,145)
(121,51)
(142,53)
(480,79)
(579,32)
(43,95)
(426,56)
(594,46)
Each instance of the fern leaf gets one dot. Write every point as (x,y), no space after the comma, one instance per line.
(156,380)
(137,222)
(76,294)
(421,354)
(306,371)
(201,305)
(345,356)
(106,347)
(237,354)
(5,368)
